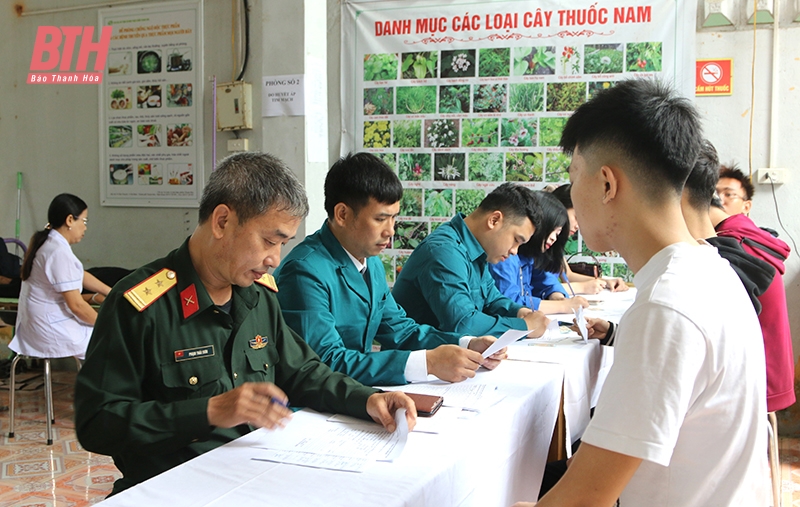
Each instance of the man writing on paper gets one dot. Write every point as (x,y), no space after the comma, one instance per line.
(334,291)
(680,420)
(446,282)
(188,353)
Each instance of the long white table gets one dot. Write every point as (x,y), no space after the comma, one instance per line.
(493,459)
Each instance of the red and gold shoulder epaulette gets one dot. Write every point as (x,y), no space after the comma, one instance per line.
(268,281)
(149,290)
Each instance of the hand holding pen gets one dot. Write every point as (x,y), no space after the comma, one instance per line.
(259,404)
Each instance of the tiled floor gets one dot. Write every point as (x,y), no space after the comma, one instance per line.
(61,475)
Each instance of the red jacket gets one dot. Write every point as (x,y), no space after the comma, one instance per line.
(774,317)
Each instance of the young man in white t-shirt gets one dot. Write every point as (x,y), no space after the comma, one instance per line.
(682,419)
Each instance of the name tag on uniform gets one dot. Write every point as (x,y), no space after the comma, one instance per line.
(195,353)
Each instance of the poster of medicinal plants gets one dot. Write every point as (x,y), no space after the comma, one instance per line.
(460,96)
(151,106)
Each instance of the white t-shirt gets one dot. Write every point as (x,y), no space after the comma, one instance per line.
(687,391)
(45,325)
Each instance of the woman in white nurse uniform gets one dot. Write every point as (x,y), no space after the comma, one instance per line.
(53,319)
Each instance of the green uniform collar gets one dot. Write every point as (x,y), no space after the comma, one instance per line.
(187,275)
(475,251)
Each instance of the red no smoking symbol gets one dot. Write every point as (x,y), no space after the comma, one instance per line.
(711,73)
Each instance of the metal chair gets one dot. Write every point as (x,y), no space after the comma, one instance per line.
(48,394)
(774,461)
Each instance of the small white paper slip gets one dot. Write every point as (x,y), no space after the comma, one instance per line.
(580,320)
(505,340)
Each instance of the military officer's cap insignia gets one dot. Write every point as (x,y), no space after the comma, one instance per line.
(268,281)
(259,342)
(149,290)
(189,303)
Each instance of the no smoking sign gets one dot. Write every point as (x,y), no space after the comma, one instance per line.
(714,77)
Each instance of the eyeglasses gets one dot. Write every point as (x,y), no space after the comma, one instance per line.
(731,196)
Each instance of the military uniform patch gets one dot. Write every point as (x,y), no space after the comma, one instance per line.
(268,281)
(150,289)
(259,342)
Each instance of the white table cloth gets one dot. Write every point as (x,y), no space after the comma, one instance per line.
(495,458)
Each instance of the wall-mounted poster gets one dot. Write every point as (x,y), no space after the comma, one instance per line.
(460,96)
(151,114)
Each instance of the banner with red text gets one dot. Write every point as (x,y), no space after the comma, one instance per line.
(460,96)
(151,106)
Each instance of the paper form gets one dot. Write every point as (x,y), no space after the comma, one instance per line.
(580,320)
(505,340)
(465,396)
(348,447)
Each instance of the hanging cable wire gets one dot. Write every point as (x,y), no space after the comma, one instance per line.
(246,40)
(233,39)
(752,91)
(778,213)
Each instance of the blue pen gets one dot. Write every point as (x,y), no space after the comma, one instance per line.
(278,401)
(564,275)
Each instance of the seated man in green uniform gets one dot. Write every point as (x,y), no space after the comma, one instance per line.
(188,353)
(446,282)
(334,291)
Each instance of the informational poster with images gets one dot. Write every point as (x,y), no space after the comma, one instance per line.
(151,114)
(460,96)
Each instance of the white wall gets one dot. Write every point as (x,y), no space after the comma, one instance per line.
(50,133)
(727,126)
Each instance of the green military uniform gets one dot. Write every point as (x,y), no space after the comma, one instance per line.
(143,391)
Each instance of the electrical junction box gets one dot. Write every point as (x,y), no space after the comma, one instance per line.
(238,145)
(234,106)
(771,176)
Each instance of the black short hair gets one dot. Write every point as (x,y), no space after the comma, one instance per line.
(644,125)
(564,195)
(515,202)
(356,177)
(731,170)
(554,215)
(702,181)
(252,183)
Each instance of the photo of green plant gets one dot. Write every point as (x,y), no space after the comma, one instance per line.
(389,158)
(643,56)
(556,167)
(441,133)
(479,132)
(534,60)
(526,97)
(421,65)
(570,61)
(460,63)
(621,271)
(493,62)
(377,134)
(411,202)
(416,99)
(407,133)
(596,86)
(518,132)
(565,96)
(449,166)
(602,59)
(550,131)
(408,235)
(468,200)
(454,99)
(523,166)
(388,267)
(380,67)
(399,262)
(485,167)
(489,98)
(378,101)
(414,167)
(439,202)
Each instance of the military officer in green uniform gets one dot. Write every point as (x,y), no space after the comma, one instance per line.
(188,353)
